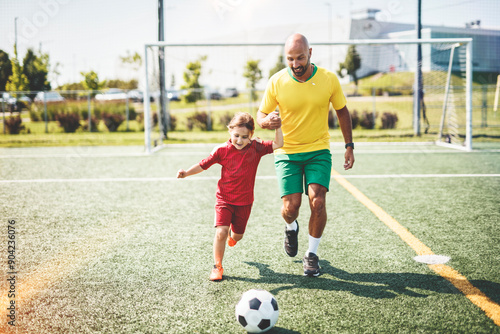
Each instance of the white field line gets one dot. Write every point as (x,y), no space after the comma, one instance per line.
(196,153)
(266,177)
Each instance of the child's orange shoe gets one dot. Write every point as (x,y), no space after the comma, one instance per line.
(230,241)
(216,273)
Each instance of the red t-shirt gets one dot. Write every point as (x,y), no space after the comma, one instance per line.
(239,168)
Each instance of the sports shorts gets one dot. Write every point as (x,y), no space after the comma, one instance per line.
(235,216)
(296,171)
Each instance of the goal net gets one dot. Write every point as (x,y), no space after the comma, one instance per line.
(383,98)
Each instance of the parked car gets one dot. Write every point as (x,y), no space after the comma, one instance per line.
(231,92)
(215,95)
(135,95)
(49,97)
(174,95)
(9,102)
(113,94)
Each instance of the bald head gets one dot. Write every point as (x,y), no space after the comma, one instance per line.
(296,42)
(298,56)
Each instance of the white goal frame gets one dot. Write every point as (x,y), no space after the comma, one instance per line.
(467,42)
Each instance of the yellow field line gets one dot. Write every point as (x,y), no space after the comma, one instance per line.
(475,295)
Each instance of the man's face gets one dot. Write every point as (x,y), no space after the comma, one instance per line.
(299,60)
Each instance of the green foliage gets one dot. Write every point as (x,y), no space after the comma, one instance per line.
(253,74)
(355,118)
(280,64)
(192,81)
(14,125)
(5,69)
(36,69)
(112,121)
(198,120)
(389,120)
(132,60)
(91,81)
(352,63)
(225,118)
(121,84)
(367,120)
(94,123)
(69,122)
(18,80)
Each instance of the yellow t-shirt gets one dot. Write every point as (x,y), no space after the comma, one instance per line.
(303,108)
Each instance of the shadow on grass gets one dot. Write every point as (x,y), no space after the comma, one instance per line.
(371,285)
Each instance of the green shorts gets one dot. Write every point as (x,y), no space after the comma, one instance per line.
(296,171)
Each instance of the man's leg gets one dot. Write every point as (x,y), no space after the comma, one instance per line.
(317,222)
(291,206)
(290,212)
(317,203)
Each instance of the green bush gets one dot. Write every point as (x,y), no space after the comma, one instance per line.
(367,120)
(14,125)
(389,120)
(69,122)
(199,120)
(332,119)
(355,119)
(224,119)
(94,123)
(112,121)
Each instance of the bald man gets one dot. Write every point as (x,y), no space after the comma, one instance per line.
(303,93)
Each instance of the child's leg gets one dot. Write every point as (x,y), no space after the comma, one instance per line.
(238,224)
(221,233)
(233,238)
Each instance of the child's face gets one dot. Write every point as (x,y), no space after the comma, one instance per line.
(240,137)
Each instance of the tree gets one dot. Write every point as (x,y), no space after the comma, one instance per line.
(36,69)
(5,69)
(91,81)
(17,81)
(278,66)
(126,85)
(132,60)
(352,63)
(253,74)
(191,78)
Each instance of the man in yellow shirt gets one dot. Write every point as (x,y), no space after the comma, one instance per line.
(303,93)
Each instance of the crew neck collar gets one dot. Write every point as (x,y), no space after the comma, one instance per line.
(315,68)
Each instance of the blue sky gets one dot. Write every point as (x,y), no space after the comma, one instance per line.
(84,35)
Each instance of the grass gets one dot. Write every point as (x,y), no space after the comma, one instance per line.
(133,256)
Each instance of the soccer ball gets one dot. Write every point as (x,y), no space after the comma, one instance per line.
(257,311)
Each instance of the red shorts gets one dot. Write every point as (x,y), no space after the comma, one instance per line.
(235,216)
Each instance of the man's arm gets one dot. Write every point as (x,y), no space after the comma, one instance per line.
(346,128)
(270,121)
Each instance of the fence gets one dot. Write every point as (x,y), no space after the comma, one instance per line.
(116,110)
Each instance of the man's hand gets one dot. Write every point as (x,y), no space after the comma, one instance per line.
(272,121)
(349,158)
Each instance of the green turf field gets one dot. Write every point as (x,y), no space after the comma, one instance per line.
(109,241)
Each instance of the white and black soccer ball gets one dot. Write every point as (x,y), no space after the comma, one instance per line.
(257,311)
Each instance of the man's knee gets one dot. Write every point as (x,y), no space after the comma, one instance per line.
(317,197)
(291,204)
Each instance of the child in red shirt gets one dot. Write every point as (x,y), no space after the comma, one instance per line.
(239,157)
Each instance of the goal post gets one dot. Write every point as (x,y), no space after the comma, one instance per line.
(446,64)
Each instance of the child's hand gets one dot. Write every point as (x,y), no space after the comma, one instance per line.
(181,173)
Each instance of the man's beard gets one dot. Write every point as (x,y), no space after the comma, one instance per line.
(301,70)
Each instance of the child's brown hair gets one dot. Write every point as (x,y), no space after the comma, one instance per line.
(242,119)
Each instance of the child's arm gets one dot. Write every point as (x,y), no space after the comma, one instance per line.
(195,169)
(278,139)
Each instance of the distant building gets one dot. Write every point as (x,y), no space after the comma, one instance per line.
(363,25)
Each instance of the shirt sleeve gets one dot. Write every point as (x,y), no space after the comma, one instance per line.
(269,102)
(266,147)
(212,159)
